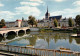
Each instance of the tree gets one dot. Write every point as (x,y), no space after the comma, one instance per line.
(1,25)
(55,23)
(3,22)
(36,23)
(77,20)
(32,21)
(70,22)
(22,18)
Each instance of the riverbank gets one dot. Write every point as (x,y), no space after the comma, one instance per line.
(48,29)
(72,30)
(56,30)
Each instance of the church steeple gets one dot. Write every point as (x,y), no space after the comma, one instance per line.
(47,9)
(47,14)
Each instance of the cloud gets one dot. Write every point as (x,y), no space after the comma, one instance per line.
(29,3)
(1,5)
(7,15)
(77,3)
(41,17)
(27,10)
(40,1)
(67,12)
(59,0)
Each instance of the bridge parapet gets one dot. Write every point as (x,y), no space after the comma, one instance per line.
(3,29)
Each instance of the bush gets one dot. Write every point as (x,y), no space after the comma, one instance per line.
(75,29)
(45,30)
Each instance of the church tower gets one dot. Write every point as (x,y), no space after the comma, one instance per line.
(47,15)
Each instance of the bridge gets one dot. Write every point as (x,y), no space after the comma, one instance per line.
(4,31)
(36,51)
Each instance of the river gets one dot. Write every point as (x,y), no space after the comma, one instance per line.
(46,40)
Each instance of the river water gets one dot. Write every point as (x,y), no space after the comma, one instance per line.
(47,40)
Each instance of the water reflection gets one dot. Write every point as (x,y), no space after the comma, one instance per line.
(58,39)
(70,40)
(21,34)
(47,37)
(51,40)
(34,36)
(9,37)
(1,37)
(32,40)
(77,40)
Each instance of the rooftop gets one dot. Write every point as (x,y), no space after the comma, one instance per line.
(55,17)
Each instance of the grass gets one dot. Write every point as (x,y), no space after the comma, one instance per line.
(60,30)
(46,30)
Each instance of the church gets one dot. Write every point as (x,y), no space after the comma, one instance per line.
(48,21)
(48,17)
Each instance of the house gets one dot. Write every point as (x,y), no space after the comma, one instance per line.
(64,22)
(17,23)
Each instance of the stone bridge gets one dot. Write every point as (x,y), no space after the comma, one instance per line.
(4,31)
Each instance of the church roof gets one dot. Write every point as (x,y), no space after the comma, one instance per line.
(57,17)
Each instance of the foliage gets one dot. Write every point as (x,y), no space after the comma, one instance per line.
(22,18)
(77,20)
(55,23)
(2,23)
(32,21)
(32,40)
(42,30)
(45,30)
(70,22)
(75,30)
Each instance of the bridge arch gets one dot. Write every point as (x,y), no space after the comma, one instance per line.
(11,32)
(11,35)
(1,37)
(21,32)
(27,30)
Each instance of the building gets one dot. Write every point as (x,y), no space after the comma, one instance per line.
(40,23)
(48,21)
(64,22)
(24,23)
(10,24)
(17,23)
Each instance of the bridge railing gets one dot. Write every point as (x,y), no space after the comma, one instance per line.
(3,29)
(37,51)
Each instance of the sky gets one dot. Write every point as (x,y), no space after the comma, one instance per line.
(10,10)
